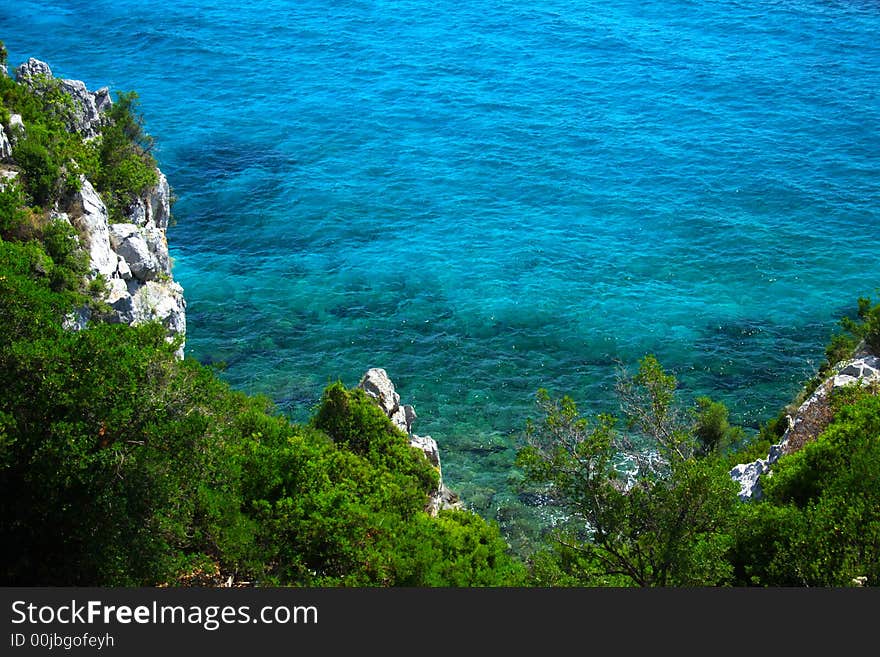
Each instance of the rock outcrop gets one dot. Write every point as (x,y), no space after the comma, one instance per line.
(810,419)
(376,383)
(88,107)
(131,257)
(5,145)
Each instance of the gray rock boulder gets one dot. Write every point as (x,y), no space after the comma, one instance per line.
(748,475)
(161,301)
(119,298)
(31,70)
(378,385)
(429,446)
(86,118)
(131,243)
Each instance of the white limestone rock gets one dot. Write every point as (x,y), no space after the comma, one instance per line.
(153,210)
(376,383)
(162,301)
(86,119)
(16,129)
(132,257)
(429,446)
(5,145)
(747,475)
(130,242)
(123,271)
(88,214)
(31,70)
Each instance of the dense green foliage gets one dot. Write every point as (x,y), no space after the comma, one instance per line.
(122,465)
(672,520)
(665,523)
(126,168)
(52,156)
(820,522)
(867,324)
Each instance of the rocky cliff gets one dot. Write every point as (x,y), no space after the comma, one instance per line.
(376,383)
(130,257)
(810,419)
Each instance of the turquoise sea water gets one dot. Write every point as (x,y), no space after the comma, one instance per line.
(490,197)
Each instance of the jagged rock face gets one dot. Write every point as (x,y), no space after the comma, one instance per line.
(154,208)
(162,301)
(89,216)
(32,69)
(808,422)
(5,145)
(134,261)
(86,119)
(141,250)
(131,257)
(88,107)
(376,383)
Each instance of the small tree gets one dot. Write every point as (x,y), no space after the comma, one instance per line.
(663,524)
(868,325)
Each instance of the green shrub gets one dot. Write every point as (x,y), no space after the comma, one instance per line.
(713,430)
(819,524)
(126,168)
(354,420)
(12,209)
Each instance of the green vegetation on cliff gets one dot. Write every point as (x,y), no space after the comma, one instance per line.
(676,519)
(121,464)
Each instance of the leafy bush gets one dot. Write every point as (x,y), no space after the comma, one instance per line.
(820,522)
(867,327)
(667,523)
(126,168)
(712,428)
(12,209)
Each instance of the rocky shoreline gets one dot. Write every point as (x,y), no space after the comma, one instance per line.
(131,258)
(810,419)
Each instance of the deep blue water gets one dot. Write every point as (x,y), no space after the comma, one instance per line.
(490,197)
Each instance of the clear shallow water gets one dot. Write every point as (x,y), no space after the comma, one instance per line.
(492,198)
